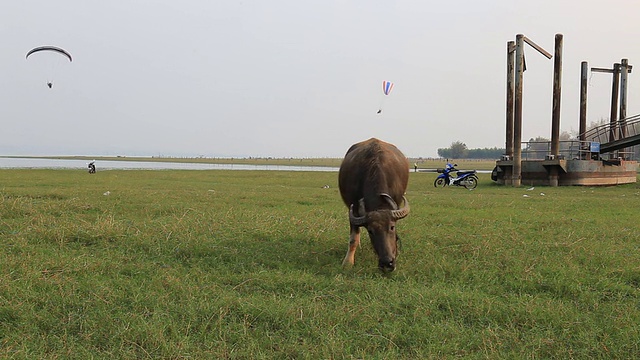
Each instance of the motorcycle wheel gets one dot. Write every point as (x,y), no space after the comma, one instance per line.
(471,182)
(439,182)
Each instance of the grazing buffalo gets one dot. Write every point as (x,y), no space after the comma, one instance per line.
(373,179)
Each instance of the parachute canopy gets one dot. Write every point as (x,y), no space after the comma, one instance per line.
(50,48)
(387,86)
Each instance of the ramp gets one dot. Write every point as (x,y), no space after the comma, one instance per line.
(622,134)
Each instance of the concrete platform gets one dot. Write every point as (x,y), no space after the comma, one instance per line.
(560,172)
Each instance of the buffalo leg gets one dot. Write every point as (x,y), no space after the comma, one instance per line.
(354,242)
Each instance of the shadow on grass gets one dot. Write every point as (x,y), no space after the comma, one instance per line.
(270,253)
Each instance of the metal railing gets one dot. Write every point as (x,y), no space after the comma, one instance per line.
(621,129)
(569,149)
(576,149)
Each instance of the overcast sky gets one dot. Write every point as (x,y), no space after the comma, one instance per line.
(294,78)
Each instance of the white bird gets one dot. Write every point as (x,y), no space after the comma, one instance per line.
(525,195)
(107,193)
(541,194)
(531,188)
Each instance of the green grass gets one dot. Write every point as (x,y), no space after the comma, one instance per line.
(246,265)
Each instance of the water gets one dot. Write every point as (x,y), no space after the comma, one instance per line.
(34,163)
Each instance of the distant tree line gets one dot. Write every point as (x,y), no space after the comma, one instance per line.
(459,150)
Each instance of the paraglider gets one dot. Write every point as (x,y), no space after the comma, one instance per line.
(50,48)
(53,49)
(387,86)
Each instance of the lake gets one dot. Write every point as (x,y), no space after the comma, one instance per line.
(35,163)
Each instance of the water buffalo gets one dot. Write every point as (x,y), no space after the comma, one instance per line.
(373,178)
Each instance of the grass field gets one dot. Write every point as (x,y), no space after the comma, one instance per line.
(246,265)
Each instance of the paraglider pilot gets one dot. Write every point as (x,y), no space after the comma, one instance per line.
(50,84)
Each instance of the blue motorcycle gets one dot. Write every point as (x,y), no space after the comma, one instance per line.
(468,179)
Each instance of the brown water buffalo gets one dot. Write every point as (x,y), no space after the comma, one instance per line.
(373,179)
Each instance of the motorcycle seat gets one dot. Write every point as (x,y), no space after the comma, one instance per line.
(460,173)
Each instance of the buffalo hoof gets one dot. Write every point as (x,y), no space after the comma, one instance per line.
(347,265)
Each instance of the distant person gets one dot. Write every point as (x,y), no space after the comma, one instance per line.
(415,167)
(92,167)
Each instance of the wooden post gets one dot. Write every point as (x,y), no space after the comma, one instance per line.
(517,112)
(584,75)
(557,90)
(509,136)
(615,91)
(624,74)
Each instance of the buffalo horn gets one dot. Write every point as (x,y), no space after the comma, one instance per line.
(390,200)
(358,220)
(401,213)
(396,213)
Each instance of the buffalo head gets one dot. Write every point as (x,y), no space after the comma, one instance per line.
(381,226)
